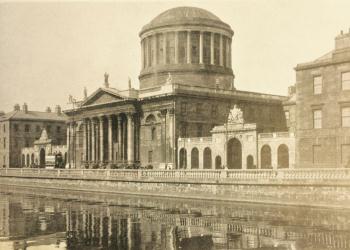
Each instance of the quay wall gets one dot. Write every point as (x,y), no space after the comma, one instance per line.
(271,187)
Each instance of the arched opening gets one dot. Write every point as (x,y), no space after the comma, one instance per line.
(218,162)
(194,158)
(234,154)
(27,160)
(207,158)
(32,159)
(150,119)
(283,156)
(65,158)
(23,160)
(183,158)
(42,158)
(265,156)
(153,133)
(250,162)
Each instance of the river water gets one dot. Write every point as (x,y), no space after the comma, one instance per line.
(40,219)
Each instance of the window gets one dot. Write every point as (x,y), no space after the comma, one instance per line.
(4,142)
(199,108)
(286,114)
(345,117)
(345,80)
(4,127)
(150,156)
(153,133)
(317,85)
(183,107)
(26,143)
(316,153)
(48,128)
(26,128)
(199,130)
(58,129)
(16,143)
(15,127)
(184,130)
(317,115)
(214,110)
(38,128)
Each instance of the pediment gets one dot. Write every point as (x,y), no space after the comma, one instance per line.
(102,96)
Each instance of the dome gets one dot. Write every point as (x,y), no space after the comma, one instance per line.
(185,16)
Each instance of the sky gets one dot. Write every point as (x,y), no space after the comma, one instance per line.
(49,50)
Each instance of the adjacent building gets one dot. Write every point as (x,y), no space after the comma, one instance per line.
(323,108)
(186,89)
(21,127)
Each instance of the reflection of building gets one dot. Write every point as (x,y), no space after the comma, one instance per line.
(323,108)
(42,148)
(186,89)
(20,128)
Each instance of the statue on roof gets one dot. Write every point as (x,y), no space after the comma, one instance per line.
(85,93)
(129,82)
(235,116)
(106,83)
(169,80)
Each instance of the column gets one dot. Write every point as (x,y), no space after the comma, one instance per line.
(73,143)
(93,141)
(84,139)
(130,138)
(125,140)
(88,140)
(120,138)
(212,48)
(201,47)
(221,52)
(101,140)
(110,139)
(68,145)
(142,54)
(164,48)
(171,135)
(155,50)
(189,46)
(176,45)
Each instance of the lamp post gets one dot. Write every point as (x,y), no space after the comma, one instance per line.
(72,101)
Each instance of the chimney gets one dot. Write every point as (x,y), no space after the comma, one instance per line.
(25,108)
(48,110)
(16,107)
(291,90)
(342,41)
(58,109)
(106,83)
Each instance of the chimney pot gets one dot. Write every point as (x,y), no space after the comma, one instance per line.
(58,109)
(48,110)
(25,107)
(16,107)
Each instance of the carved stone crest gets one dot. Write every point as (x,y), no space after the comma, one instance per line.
(235,115)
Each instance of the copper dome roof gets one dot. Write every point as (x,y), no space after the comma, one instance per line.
(185,16)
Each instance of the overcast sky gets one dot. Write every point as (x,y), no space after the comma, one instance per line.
(50,50)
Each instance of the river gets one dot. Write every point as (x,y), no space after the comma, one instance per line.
(39,219)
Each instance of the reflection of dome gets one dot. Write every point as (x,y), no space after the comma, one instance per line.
(187,15)
(192,44)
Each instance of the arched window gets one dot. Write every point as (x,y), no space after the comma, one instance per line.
(32,159)
(250,162)
(183,158)
(265,156)
(207,158)
(153,133)
(23,160)
(218,162)
(283,156)
(151,119)
(27,161)
(194,158)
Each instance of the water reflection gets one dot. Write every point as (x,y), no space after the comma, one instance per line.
(88,221)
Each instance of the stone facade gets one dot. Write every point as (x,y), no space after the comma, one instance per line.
(180,95)
(323,108)
(21,127)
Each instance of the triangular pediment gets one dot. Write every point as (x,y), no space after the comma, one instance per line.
(102,96)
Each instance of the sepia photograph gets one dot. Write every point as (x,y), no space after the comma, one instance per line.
(175,125)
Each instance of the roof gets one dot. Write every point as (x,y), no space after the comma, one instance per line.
(33,115)
(185,16)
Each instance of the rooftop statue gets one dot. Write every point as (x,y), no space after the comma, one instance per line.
(235,116)
(169,80)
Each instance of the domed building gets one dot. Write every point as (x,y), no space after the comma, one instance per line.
(191,44)
(186,91)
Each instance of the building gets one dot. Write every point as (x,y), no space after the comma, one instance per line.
(186,89)
(21,127)
(323,108)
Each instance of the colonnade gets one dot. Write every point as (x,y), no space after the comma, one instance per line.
(102,140)
(175,47)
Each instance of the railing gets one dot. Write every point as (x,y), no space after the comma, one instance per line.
(254,175)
